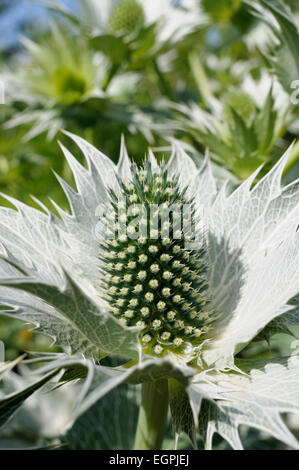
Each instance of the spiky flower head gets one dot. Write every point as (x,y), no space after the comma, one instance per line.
(127,16)
(58,71)
(152,279)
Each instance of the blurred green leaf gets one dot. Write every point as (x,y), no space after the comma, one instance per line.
(112,46)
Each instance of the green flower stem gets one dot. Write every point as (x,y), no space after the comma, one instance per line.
(163,82)
(110,75)
(152,415)
(200,78)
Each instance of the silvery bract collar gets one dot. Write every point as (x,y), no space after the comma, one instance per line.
(174,311)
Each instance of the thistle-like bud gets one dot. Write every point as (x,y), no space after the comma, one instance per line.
(126,17)
(160,283)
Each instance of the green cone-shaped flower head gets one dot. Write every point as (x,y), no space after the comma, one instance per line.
(127,16)
(153,279)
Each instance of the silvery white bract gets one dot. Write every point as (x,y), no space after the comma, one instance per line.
(43,418)
(50,276)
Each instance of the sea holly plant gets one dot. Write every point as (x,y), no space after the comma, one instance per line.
(157,277)
(65,86)
(240,134)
